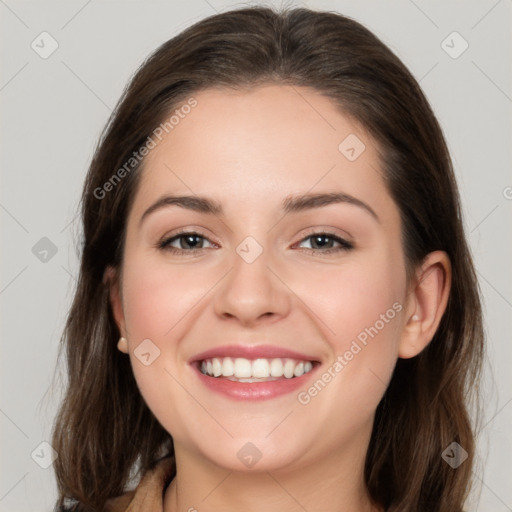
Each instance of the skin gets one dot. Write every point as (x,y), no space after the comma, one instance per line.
(249,150)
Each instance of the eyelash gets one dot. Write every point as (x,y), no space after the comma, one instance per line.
(344,244)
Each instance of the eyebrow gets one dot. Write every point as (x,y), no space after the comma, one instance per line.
(291,204)
(307,201)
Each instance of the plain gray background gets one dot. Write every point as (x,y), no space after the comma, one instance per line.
(54,108)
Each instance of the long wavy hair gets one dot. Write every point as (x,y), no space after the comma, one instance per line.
(104,433)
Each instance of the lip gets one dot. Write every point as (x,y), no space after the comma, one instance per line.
(254,390)
(251,352)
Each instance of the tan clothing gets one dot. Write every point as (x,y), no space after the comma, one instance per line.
(148,496)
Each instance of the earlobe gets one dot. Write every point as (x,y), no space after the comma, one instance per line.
(426,305)
(122,345)
(111,279)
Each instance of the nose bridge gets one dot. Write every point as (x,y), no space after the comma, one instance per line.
(250,290)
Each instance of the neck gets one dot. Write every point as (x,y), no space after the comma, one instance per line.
(327,485)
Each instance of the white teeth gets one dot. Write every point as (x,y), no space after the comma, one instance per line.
(261,368)
(276,368)
(216,366)
(243,367)
(228,367)
(246,370)
(289,368)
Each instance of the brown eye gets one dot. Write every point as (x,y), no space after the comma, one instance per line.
(185,242)
(326,243)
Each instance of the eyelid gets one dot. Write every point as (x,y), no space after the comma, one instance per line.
(189,230)
(330,230)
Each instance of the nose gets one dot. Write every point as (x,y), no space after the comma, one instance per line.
(252,293)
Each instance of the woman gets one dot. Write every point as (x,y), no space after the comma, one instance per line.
(277,307)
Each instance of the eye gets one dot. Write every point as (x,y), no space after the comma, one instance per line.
(191,241)
(325,243)
(186,241)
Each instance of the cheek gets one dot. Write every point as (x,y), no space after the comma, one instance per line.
(159,297)
(355,298)
(361,307)
(158,302)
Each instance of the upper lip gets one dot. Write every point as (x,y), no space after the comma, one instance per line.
(251,352)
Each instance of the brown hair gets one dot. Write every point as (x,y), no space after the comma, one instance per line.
(104,432)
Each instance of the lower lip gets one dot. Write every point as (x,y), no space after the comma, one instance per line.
(253,390)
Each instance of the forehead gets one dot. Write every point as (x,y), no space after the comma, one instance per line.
(252,146)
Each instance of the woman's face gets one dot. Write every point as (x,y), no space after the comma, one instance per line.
(293,283)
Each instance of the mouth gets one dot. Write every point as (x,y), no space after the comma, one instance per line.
(244,372)
(254,377)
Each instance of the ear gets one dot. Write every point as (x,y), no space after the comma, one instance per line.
(111,278)
(426,304)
